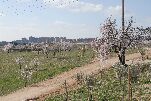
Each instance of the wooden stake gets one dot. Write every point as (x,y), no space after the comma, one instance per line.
(129,85)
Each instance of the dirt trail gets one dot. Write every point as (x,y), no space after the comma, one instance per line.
(54,85)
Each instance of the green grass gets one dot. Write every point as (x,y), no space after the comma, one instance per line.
(10,76)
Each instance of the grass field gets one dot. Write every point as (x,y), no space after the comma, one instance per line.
(10,75)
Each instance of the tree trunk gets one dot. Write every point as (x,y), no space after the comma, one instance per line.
(121,56)
(25,83)
(20,66)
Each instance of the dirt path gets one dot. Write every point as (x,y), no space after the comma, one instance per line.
(54,85)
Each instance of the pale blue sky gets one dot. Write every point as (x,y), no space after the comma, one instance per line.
(24,18)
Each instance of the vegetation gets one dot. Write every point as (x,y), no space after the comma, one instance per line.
(111,85)
(13,67)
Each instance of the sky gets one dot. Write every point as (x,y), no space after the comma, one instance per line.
(69,18)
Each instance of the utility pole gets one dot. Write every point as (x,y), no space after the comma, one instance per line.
(123,22)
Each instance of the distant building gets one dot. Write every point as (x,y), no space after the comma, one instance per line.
(52,39)
(57,39)
(49,40)
(43,39)
(3,43)
(24,40)
(32,39)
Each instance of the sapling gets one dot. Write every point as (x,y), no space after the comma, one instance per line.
(90,82)
(35,65)
(80,78)
(83,50)
(26,73)
(45,49)
(7,48)
(142,52)
(20,61)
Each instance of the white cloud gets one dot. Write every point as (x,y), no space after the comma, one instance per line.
(75,6)
(114,10)
(72,30)
(23,1)
(61,23)
(146,22)
(2,14)
(88,7)
(55,28)
(16,31)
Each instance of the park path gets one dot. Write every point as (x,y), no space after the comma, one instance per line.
(51,86)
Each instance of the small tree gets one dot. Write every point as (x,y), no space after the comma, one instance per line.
(114,39)
(34,64)
(29,69)
(20,61)
(26,73)
(45,49)
(83,50)
(7,48)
